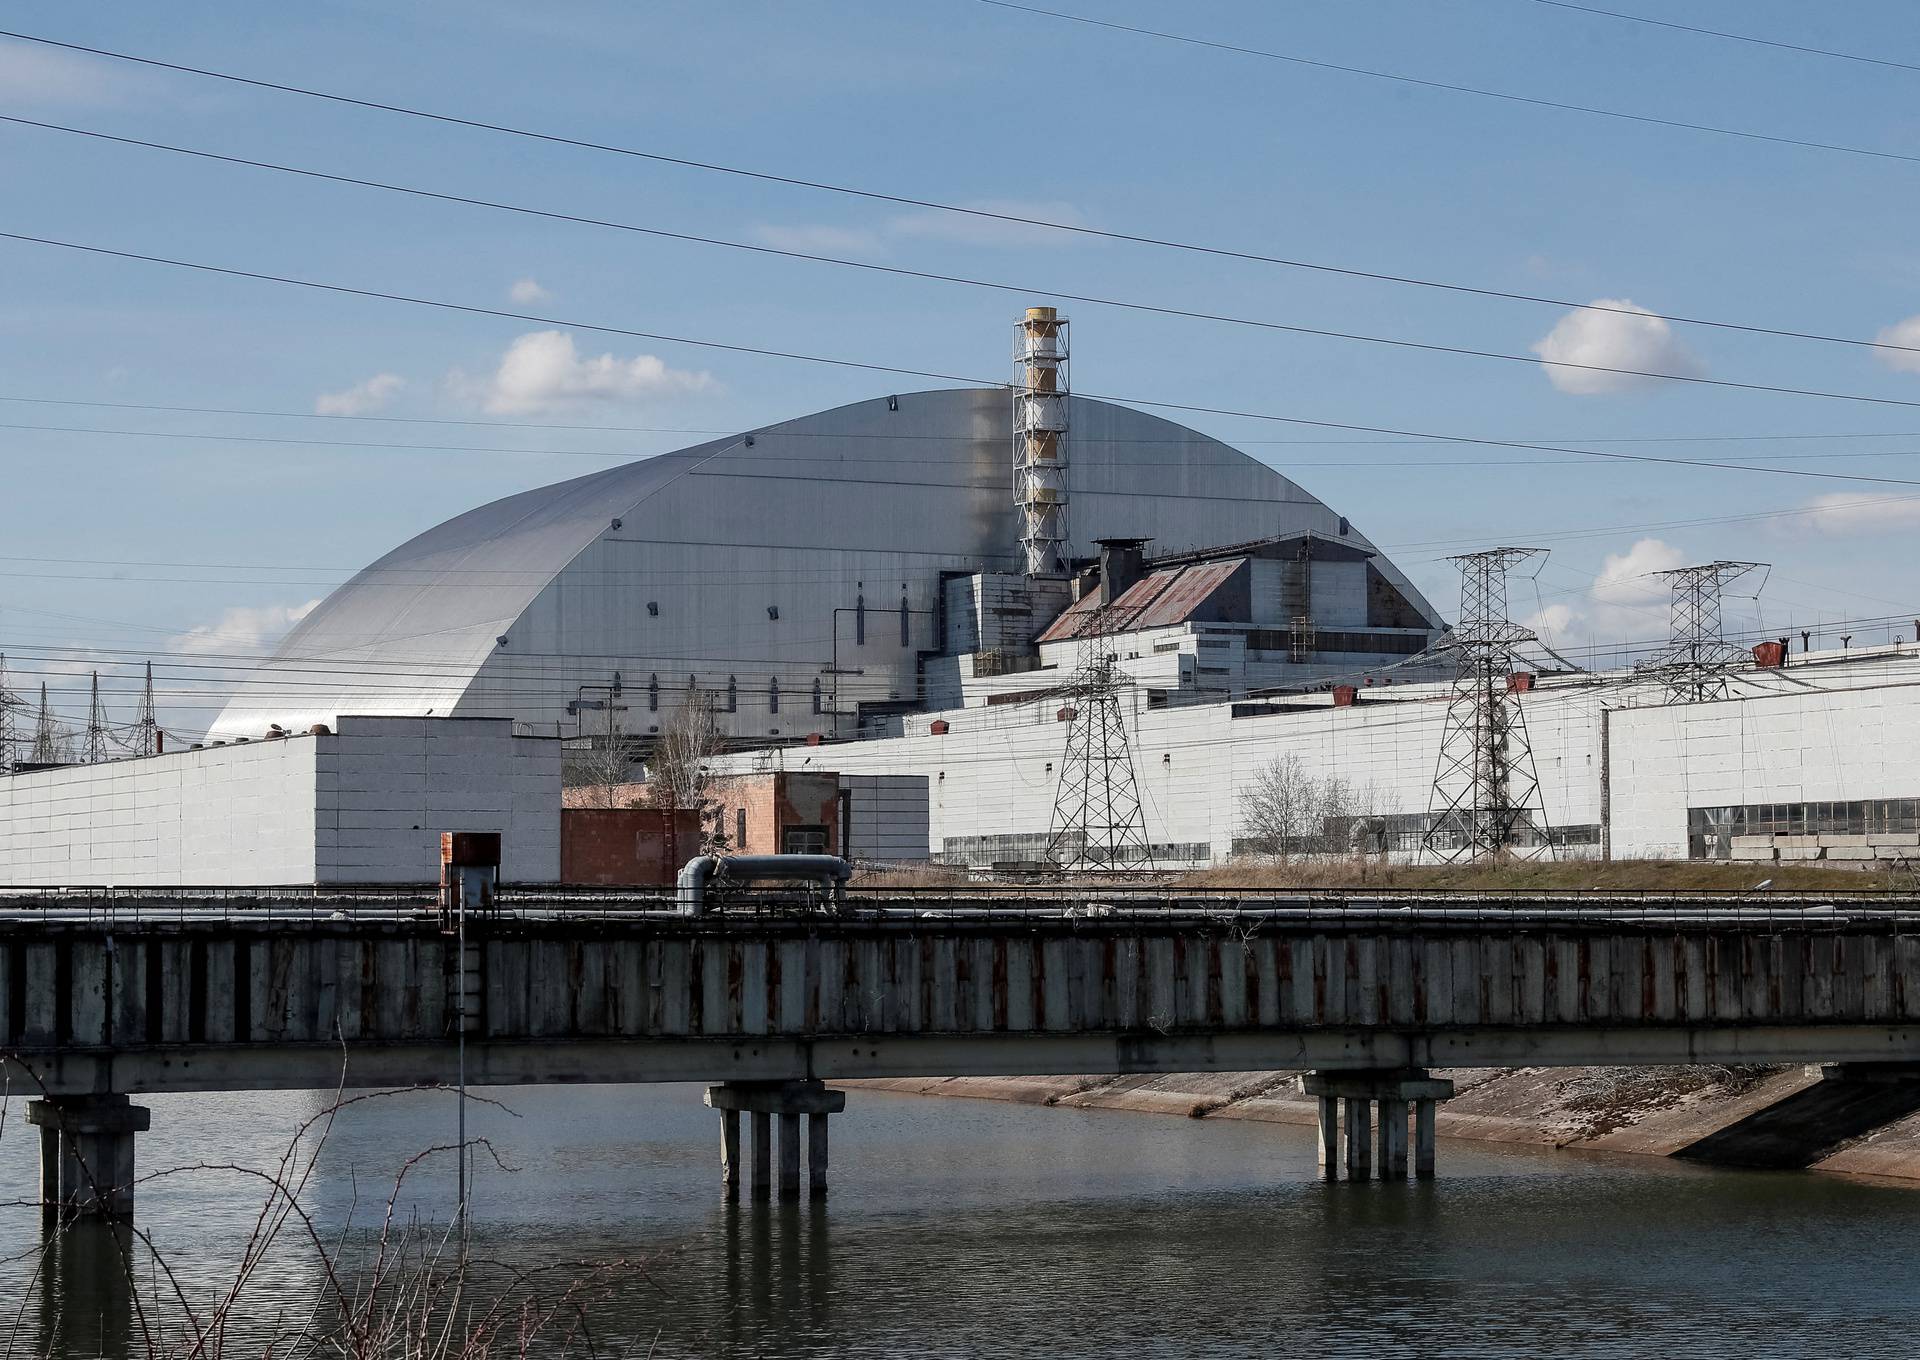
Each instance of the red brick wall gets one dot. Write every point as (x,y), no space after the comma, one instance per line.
(644,846)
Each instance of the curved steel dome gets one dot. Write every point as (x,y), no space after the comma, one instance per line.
(754,568)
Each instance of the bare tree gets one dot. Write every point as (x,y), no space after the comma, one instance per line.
(602,763)
(1276,806)
(680,774)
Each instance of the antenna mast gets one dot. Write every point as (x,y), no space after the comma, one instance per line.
(1486,794)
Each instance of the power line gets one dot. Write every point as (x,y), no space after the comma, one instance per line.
(776,428)
(1449,86)
(937,277)
(473,309)
(1733,37)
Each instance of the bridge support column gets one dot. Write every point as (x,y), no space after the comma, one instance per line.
(761,1101)
(86,1153)
(1395,1092)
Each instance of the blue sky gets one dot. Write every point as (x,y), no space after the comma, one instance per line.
(956,101)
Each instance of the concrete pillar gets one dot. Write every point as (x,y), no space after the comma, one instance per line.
(761,1101)
(1359,1138)
(730,1153)
(1396,1089)
(1393,1139)
(817,1155)
(762,1154)
(789,1155)
(1329,1141)
(86,1153)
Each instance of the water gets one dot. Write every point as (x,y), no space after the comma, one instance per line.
(963,1227)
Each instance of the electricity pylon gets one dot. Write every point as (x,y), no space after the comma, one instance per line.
(9,729)
(46,738)
(96,727)
(1698,658)
(146,727)
(1097,819)
(1486,792)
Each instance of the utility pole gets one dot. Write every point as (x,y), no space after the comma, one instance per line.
(146,727)
(1698,659)
(46,739)
(1486,791)
(1097,818)
(96,727)
(9,731)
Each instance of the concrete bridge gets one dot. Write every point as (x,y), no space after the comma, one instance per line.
(105,998)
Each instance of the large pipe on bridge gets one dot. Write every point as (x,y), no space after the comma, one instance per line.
(704,871)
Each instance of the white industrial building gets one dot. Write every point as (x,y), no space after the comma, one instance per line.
(1820,755)
(365,804)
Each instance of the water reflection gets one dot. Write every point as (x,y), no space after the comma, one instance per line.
(965,1227)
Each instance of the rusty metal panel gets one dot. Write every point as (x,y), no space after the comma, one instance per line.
(128,1004)
(1017,984)
(1436,977)
(1330,980)
(1496,982)
(1598,1003)
(1530,981)
(1266,974)
(1850,993)
(1125,962)
(1163,997)
(1193,960)
(592,1011)
(1756,977)
(260,964)
(174,990)
(1906,953)
(1301,991)
(1695,981)
(220,992)
(1723,973)
(751,993)
(87,999)
(1236,967)
(710,965)
(793,988)
(904,986)
(976,997)
(1464,961)
(1632,991)
(1566,988)
(1055,981)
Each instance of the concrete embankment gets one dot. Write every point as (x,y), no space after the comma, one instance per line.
(1859,1123)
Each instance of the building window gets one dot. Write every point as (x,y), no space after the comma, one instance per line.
(906,639)
(860,621)
(740,828)
(733,695)
(773,695)
(653,694)
(816,696)
(803,840)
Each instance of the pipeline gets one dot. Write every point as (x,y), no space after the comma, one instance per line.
(704,871)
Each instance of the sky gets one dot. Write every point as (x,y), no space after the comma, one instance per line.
(193,538)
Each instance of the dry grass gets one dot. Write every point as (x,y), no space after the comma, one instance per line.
(1552,875)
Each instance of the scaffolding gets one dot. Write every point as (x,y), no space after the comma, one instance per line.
(1040,387)
(1698,659)
(1486,792)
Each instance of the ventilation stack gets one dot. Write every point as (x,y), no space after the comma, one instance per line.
(1040,439)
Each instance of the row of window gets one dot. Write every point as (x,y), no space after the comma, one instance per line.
(1710,830)
(732,693)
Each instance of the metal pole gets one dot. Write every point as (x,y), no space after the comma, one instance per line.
(460,1150)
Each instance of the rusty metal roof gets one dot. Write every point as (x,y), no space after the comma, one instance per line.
(1159,599)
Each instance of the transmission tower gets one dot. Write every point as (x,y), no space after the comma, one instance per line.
(1097,819)
(146,727)
(9,730)
(1486,792)
(46,739)
(96,727)
(1698,658)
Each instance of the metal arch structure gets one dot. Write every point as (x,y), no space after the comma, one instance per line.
(1698,659)
(749,556)
(1486,798)
(1098,822)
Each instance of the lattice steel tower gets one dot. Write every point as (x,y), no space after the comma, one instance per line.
(1040,383)
(9,728)
(1698,658)
(1486,792)
(46,737)
(96,727)
(1097,818)
(146,727)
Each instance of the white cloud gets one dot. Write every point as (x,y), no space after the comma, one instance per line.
(1630,337)
(362,398)
(1844,513)
(541,371)
(821,239)
(1900,333)
(30,74)
(1626,600)
(528,291)
(242,630)
(932,224)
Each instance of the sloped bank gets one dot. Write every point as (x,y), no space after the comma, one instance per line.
(1853,1121)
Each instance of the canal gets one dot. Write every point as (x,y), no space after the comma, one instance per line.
(962,1227)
